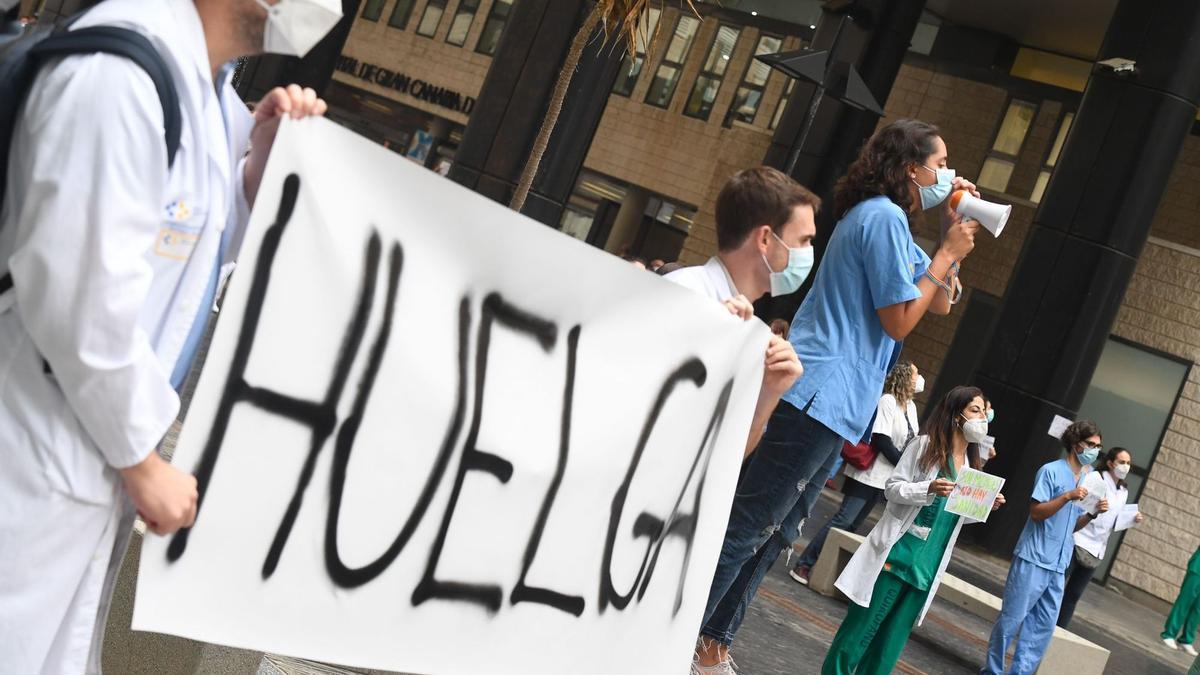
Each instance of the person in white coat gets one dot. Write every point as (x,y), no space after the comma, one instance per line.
(893,576)
(114,259)
(1091,542)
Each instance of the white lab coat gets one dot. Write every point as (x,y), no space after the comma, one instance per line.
(111,255)
(907,491)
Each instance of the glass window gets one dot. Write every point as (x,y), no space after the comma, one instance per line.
(400,14)
(662,88)
(1060,139)
(708,83)
(372,9)
(431,17)
(996,173)
(782,105)
(631,68)
(998,167)
(1132,395)
(464,15)
(493,27)
(749,95)
(1043,179)
(1015,127)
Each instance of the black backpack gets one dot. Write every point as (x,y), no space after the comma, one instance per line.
(23,55)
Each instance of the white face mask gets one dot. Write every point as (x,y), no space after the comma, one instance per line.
(975,431)
(920,386)
(295,26)
(1121,472)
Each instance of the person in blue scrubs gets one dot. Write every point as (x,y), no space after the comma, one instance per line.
(873,286)
(1034,590)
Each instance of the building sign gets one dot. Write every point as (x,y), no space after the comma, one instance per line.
(405,84)
(421,448)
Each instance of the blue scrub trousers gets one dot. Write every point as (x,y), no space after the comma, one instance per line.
(1032,597)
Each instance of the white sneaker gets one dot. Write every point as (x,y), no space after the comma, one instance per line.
(1170,642)
(722,668)
(1190,650)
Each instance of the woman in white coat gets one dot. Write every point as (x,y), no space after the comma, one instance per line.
(894,575)
(1092,540)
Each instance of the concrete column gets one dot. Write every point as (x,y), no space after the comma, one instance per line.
(1088,233)
(629,219)
(513,102)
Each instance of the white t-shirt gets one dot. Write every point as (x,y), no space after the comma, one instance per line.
(710,279)
(1093,538)
(889,421)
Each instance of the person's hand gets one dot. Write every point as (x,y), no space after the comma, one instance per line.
(1078,494)
(991,453)
(291,102)
(941,487)
(741,307)
(782,368)
(164,496)
(1137,517)
(959,239)
(1102,507)
(948,212)
(999,501)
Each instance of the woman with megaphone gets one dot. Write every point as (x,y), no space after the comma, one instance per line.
(873,286)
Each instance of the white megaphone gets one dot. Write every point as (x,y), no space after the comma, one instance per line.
(989,214)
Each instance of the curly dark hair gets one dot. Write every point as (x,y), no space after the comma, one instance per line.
(899,381)
(882,166)
(1077,433)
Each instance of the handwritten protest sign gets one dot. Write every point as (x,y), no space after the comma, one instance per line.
(433,436)
(974,494)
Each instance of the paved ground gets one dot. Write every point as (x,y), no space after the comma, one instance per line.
(787,630)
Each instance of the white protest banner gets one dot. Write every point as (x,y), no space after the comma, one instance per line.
(1127,518)
(973,494)
(433,436)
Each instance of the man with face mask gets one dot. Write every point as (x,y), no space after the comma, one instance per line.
(1034,589)
(765,227)
(111,258)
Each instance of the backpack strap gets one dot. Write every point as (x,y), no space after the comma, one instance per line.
(133,46)
(118,42)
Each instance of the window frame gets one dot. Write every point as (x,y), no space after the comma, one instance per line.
(458,12)
(401,25)
(641,54)
(494,16)
(379,13)
(712,75)
(442,4)
(663,62)
(1046,167)
(742,83)
(1000,155)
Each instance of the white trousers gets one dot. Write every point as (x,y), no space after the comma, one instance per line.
(55,554)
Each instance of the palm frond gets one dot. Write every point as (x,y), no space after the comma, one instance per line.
(630,19)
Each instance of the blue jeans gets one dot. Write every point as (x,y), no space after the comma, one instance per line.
(770,505)
(1032,596)
(850,517)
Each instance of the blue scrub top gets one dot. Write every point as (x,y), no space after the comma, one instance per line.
(871,262)
(1048,543)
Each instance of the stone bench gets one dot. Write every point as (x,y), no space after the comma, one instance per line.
(1068,653)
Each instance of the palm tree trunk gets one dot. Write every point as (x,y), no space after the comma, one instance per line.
(556,103)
